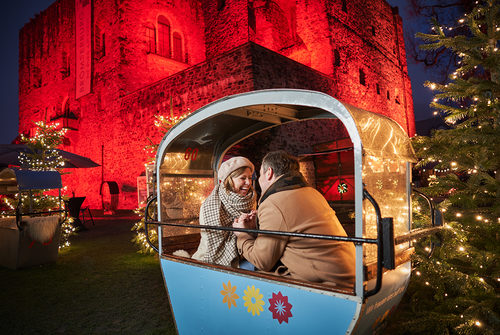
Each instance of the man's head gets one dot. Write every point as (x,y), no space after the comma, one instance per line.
(274,165)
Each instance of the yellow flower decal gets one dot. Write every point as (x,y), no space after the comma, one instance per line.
(253,300)
(229,295)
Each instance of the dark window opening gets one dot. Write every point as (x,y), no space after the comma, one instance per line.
(373,30)
(177,47)
(336,57)
(150,40)
(65,69)
(378,88)
(388,95)
(37,77)
(99,43)
(164,37)
(362,77)
(344,6)
(397,100)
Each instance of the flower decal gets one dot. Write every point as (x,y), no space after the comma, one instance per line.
(229,294)
(253,300)
(280,307)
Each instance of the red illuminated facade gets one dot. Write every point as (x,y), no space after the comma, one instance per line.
(104,68)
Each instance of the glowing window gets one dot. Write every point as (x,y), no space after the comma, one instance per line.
(163,37)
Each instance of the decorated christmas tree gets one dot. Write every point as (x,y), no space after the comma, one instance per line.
(164,124)
(42,155)
(456,290)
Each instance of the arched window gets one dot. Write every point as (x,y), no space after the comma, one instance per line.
(177,39)
(163,37)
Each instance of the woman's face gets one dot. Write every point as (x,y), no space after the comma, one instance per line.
(243,182)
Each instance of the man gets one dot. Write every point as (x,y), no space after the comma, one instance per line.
(289,204)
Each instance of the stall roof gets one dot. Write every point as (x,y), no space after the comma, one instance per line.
(29,179)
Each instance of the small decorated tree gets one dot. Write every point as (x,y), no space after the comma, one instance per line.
(164,124)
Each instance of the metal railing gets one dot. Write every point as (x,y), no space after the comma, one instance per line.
(384,240)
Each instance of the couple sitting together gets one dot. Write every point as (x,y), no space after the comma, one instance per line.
(287,204)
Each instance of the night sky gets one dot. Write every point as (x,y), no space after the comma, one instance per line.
(15,14)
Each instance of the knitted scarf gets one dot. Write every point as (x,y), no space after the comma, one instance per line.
(220,209)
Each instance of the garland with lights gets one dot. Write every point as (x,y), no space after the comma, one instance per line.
(456,290)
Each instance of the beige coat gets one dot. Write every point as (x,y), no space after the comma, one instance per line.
(302,210)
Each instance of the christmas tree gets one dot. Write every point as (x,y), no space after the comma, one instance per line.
(44,156)
(456,291)
(164,124)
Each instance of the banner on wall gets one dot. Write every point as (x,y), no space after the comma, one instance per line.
(83,28)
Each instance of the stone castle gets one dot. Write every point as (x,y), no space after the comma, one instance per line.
(105,68)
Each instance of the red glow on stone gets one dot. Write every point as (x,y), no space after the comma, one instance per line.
(141,69)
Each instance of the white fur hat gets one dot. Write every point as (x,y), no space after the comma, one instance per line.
(234,163)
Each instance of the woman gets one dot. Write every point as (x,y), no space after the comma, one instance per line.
(230,198)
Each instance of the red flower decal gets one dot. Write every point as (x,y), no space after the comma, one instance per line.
(280,307)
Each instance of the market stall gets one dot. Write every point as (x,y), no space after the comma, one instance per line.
(29,237)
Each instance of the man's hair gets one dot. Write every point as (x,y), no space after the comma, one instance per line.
(281,162)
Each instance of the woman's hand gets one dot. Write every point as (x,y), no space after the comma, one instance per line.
(245,220)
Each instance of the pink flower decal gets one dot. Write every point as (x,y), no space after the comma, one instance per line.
(280,307)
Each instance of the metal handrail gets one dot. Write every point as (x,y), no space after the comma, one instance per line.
(146,231)
(169,222)
(419,233)
(378,282)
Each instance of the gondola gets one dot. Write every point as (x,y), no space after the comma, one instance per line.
(360,161)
